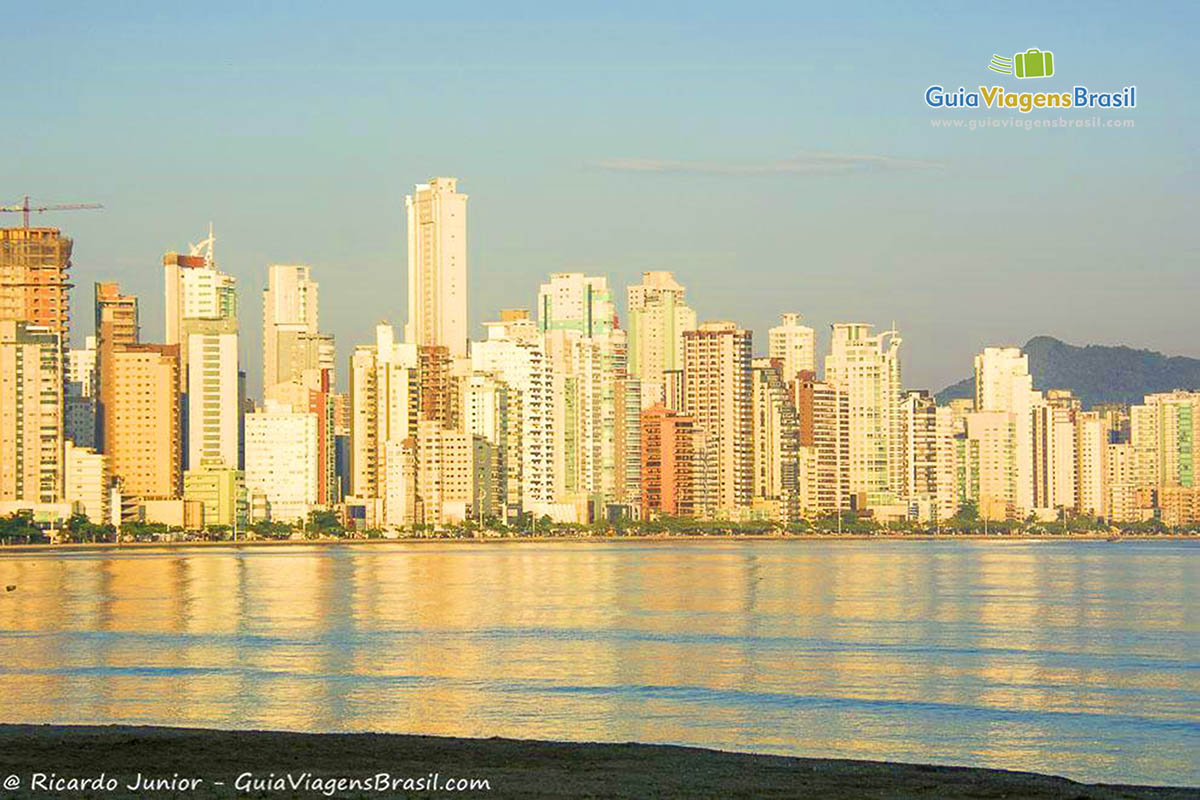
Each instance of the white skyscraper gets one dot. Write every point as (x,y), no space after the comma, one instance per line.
(202,318)
(794,345)
(866,367)
(437,266)
(1003,383)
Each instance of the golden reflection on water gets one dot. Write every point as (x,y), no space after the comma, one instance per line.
(1078,659)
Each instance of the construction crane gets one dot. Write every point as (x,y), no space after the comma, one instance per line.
(25,209)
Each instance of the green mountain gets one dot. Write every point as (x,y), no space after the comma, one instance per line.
(1096,373)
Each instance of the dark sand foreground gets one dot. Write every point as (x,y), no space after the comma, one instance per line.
(513,768)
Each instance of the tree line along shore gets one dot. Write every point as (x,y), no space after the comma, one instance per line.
(21,529)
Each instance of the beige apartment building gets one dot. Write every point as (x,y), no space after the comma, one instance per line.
(142,436)
(718,395)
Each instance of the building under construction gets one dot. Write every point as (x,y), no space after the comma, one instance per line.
(33,278)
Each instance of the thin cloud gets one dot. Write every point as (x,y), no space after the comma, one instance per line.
(811,164)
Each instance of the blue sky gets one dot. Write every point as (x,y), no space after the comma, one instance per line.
(777,158)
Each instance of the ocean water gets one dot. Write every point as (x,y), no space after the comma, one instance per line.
(1074,658)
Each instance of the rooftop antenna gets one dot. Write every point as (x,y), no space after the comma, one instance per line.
(204,247)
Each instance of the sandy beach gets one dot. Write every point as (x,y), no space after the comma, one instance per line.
(67,761)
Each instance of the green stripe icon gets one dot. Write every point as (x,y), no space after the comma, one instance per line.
(1001,64)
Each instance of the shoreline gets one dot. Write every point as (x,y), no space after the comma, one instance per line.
(539,539)
(512,767)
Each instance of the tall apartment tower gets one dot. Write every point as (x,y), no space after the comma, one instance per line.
(142,438)
(794,346)
(717,393)
(929,467)
(116,327)
(201,318)
(437,266)
(776,438)
(79,398)
(515,353)
(823,418)
(293,346)
(31,413)
(385,404)
(1003,384)
(866,367)
(658,317)
(282,462)
(669,442)
(1165,429)
(138,423)
(33,278)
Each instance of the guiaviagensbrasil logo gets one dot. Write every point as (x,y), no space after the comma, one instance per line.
(1033,63)
(1030,63)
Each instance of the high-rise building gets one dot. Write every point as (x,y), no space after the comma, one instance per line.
(794,346)
(866,368)
(385,403)
(1121,487)
(202,318)
(293,346)
(515,353)
(31,413)
(1091,463)
(116,326)
(195,289)
(282,467)
(658,317)
(776,443)
(142,437)
(929,450)
(437,266)
(213,411)
(718,394)
(445,473)
(1054,453)
(668,452)
(34,283)
(1165,432)
(1003,383)
(823,420)
(80,395)
(572,301)
(486,415)
(986,473)
(592,398)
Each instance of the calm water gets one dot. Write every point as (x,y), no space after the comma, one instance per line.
(1081,659)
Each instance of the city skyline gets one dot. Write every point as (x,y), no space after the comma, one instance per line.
(714,147)
(559,414)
